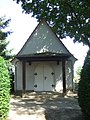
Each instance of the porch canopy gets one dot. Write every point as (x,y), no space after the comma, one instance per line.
(45,56)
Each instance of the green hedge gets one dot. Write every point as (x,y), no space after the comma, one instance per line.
(4,89)
(84,88)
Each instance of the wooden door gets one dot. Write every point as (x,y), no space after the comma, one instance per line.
(48,78)
(44,78)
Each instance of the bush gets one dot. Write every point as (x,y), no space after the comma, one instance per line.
(4,89)
(84,88)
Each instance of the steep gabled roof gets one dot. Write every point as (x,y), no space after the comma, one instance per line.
(43,40)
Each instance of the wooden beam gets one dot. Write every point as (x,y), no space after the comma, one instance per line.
(23,77)
(64,76)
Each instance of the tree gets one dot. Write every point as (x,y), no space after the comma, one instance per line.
(66,17)
(3,42)
(4,52)
(84,88)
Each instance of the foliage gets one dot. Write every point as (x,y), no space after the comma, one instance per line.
(3,24)
(4,89)
(84,87)
(4,52)
(66,17)
(3,35)
(77,78)
(78,72)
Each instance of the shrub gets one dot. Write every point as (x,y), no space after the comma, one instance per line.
(84,88)
(4,89)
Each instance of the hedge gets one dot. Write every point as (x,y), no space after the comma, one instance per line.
(84,88)
(4,89)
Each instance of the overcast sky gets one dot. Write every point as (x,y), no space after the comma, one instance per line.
(23,25)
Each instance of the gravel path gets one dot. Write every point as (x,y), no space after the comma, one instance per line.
(44,107)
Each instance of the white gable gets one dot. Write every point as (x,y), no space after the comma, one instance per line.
(43,40)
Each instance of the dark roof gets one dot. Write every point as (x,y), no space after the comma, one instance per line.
(46,54)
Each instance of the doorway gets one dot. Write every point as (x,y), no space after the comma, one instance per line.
(44,78)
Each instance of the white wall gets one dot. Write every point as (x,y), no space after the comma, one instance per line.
(18,76)
(58,77)
(30,69)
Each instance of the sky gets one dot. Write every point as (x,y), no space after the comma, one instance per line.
(22,25)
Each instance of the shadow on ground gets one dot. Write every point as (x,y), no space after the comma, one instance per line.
(52,105)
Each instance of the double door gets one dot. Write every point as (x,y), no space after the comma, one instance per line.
(44,78)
